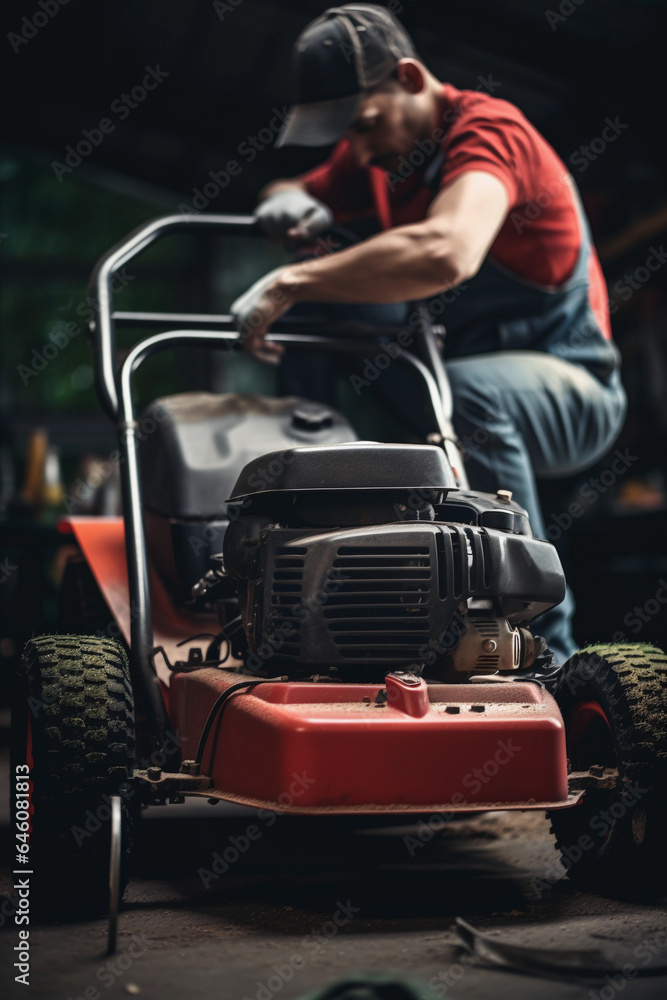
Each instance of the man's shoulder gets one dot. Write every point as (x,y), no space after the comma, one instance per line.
(482,104)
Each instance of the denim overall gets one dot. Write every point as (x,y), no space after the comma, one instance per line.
(499,311)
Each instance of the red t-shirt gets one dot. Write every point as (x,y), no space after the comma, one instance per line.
(540,238)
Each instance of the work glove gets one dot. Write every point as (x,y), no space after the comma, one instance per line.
(253,312)
(292,214)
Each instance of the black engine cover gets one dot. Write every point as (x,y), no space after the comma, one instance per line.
(387,594)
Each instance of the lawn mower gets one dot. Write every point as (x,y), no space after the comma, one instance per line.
(291,619)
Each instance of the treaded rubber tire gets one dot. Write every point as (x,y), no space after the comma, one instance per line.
(77,695)
(626,828)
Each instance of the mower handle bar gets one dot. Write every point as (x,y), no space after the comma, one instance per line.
(232,338)
(103,324)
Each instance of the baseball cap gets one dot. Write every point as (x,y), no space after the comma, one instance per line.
(339,57)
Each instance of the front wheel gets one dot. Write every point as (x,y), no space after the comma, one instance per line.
(614,700)
(73,732)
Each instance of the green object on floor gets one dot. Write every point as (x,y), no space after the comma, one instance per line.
(374,986)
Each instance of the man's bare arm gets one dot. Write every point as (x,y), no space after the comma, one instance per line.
(413,261)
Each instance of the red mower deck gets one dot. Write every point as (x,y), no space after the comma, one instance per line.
(304,747)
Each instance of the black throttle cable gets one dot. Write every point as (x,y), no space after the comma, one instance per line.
(218,706)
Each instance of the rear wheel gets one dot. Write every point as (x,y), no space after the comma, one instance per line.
(73,726)
(614,700)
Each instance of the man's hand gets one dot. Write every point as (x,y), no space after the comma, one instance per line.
(292,214)
(257,309)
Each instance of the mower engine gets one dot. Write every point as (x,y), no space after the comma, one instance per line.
(362,557)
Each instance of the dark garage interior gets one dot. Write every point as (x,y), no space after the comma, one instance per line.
(115,114)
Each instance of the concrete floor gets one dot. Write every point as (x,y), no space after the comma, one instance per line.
(313,900)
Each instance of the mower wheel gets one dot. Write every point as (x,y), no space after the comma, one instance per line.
(614,699)
(73,725)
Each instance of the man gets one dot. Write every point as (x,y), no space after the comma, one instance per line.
(487,210)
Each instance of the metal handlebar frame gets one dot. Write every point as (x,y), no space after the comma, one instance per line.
(114,388)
